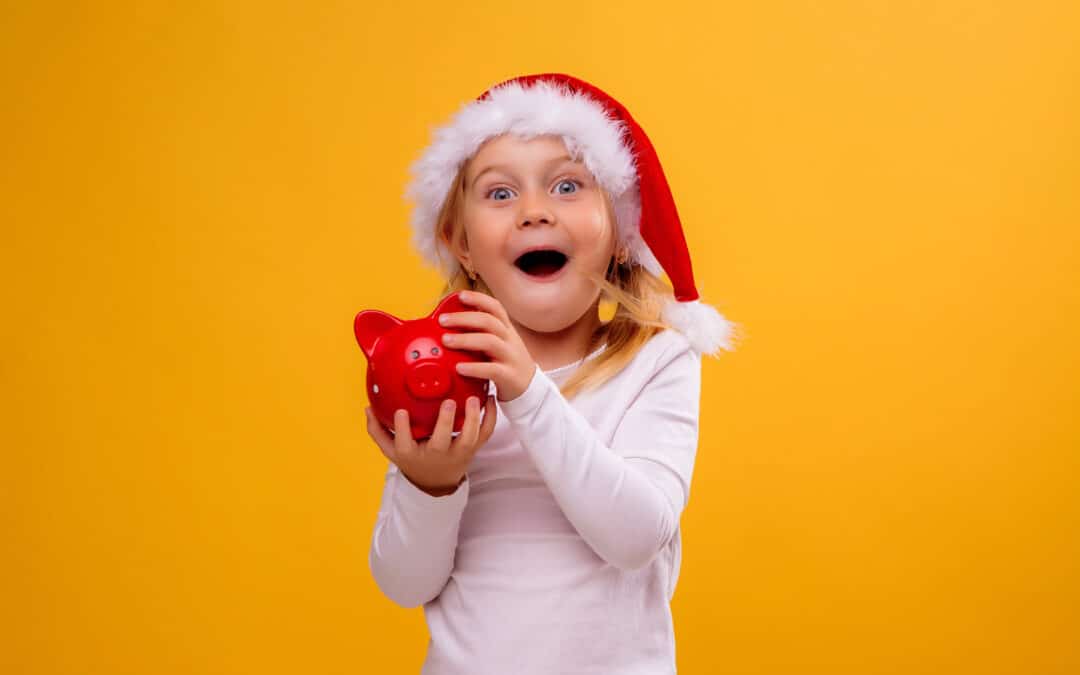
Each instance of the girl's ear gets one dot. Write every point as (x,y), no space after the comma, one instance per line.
(446,236)
(461,251)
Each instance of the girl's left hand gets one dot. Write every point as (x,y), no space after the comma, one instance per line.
(511,366)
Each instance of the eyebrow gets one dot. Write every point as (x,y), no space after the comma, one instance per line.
(499,167)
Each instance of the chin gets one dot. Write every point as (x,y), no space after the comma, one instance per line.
(549,317)
(545,323)
(544,308)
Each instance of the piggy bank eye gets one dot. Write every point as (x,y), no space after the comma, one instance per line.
(435,350)
(415,354)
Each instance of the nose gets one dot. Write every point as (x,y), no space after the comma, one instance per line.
(534,210)
(427,380)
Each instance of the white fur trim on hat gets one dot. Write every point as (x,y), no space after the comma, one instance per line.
(587,130)
(704,327)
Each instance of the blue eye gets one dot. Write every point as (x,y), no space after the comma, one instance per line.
(499,189)
(567,181)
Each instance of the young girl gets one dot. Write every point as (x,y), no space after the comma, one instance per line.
(546,538)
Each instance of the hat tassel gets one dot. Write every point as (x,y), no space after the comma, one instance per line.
(706,329)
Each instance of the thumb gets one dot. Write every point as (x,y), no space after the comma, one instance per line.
(491,413)
(381,436)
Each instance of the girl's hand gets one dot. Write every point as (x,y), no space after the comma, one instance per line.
(511,367)
(436,465)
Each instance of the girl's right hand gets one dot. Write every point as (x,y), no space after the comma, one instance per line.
(436,465)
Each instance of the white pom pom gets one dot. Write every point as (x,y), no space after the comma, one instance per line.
(706,329)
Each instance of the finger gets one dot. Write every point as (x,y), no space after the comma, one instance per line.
(492,345)
(490,415)
(471,428)
(479,369)
(403,440)
(380,435)
(440,437)
(486,303)
(480,320)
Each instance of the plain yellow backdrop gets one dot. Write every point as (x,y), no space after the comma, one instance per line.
(198,197)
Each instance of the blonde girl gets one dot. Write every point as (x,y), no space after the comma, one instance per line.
(544,537)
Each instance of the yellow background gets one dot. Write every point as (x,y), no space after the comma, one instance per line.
(198,198)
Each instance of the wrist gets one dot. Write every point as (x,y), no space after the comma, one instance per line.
(438,490)
(517,393)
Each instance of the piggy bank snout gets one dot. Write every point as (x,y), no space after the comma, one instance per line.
(428,380)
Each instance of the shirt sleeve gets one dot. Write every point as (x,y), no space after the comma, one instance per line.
(624,500)
(415,539)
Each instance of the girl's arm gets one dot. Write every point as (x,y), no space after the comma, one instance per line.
(624,500)
(412,548)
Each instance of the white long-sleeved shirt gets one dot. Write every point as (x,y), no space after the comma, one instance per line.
(560,551)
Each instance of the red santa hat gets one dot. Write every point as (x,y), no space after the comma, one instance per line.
(601,133)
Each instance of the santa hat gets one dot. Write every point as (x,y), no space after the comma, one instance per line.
(601,132)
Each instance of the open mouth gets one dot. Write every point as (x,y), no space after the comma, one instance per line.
(542,263)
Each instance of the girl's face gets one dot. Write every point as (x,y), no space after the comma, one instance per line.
(521,195)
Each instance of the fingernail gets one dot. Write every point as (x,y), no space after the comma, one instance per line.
(473,402)
(443,319)
(448,404)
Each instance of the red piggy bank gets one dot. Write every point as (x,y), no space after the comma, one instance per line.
(408,367)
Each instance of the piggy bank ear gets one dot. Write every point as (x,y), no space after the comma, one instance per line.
(370,325)
(450,304)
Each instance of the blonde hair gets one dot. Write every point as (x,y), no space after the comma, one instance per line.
(638,294)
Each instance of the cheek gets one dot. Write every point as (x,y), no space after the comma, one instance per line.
(592,219)
(482,227)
